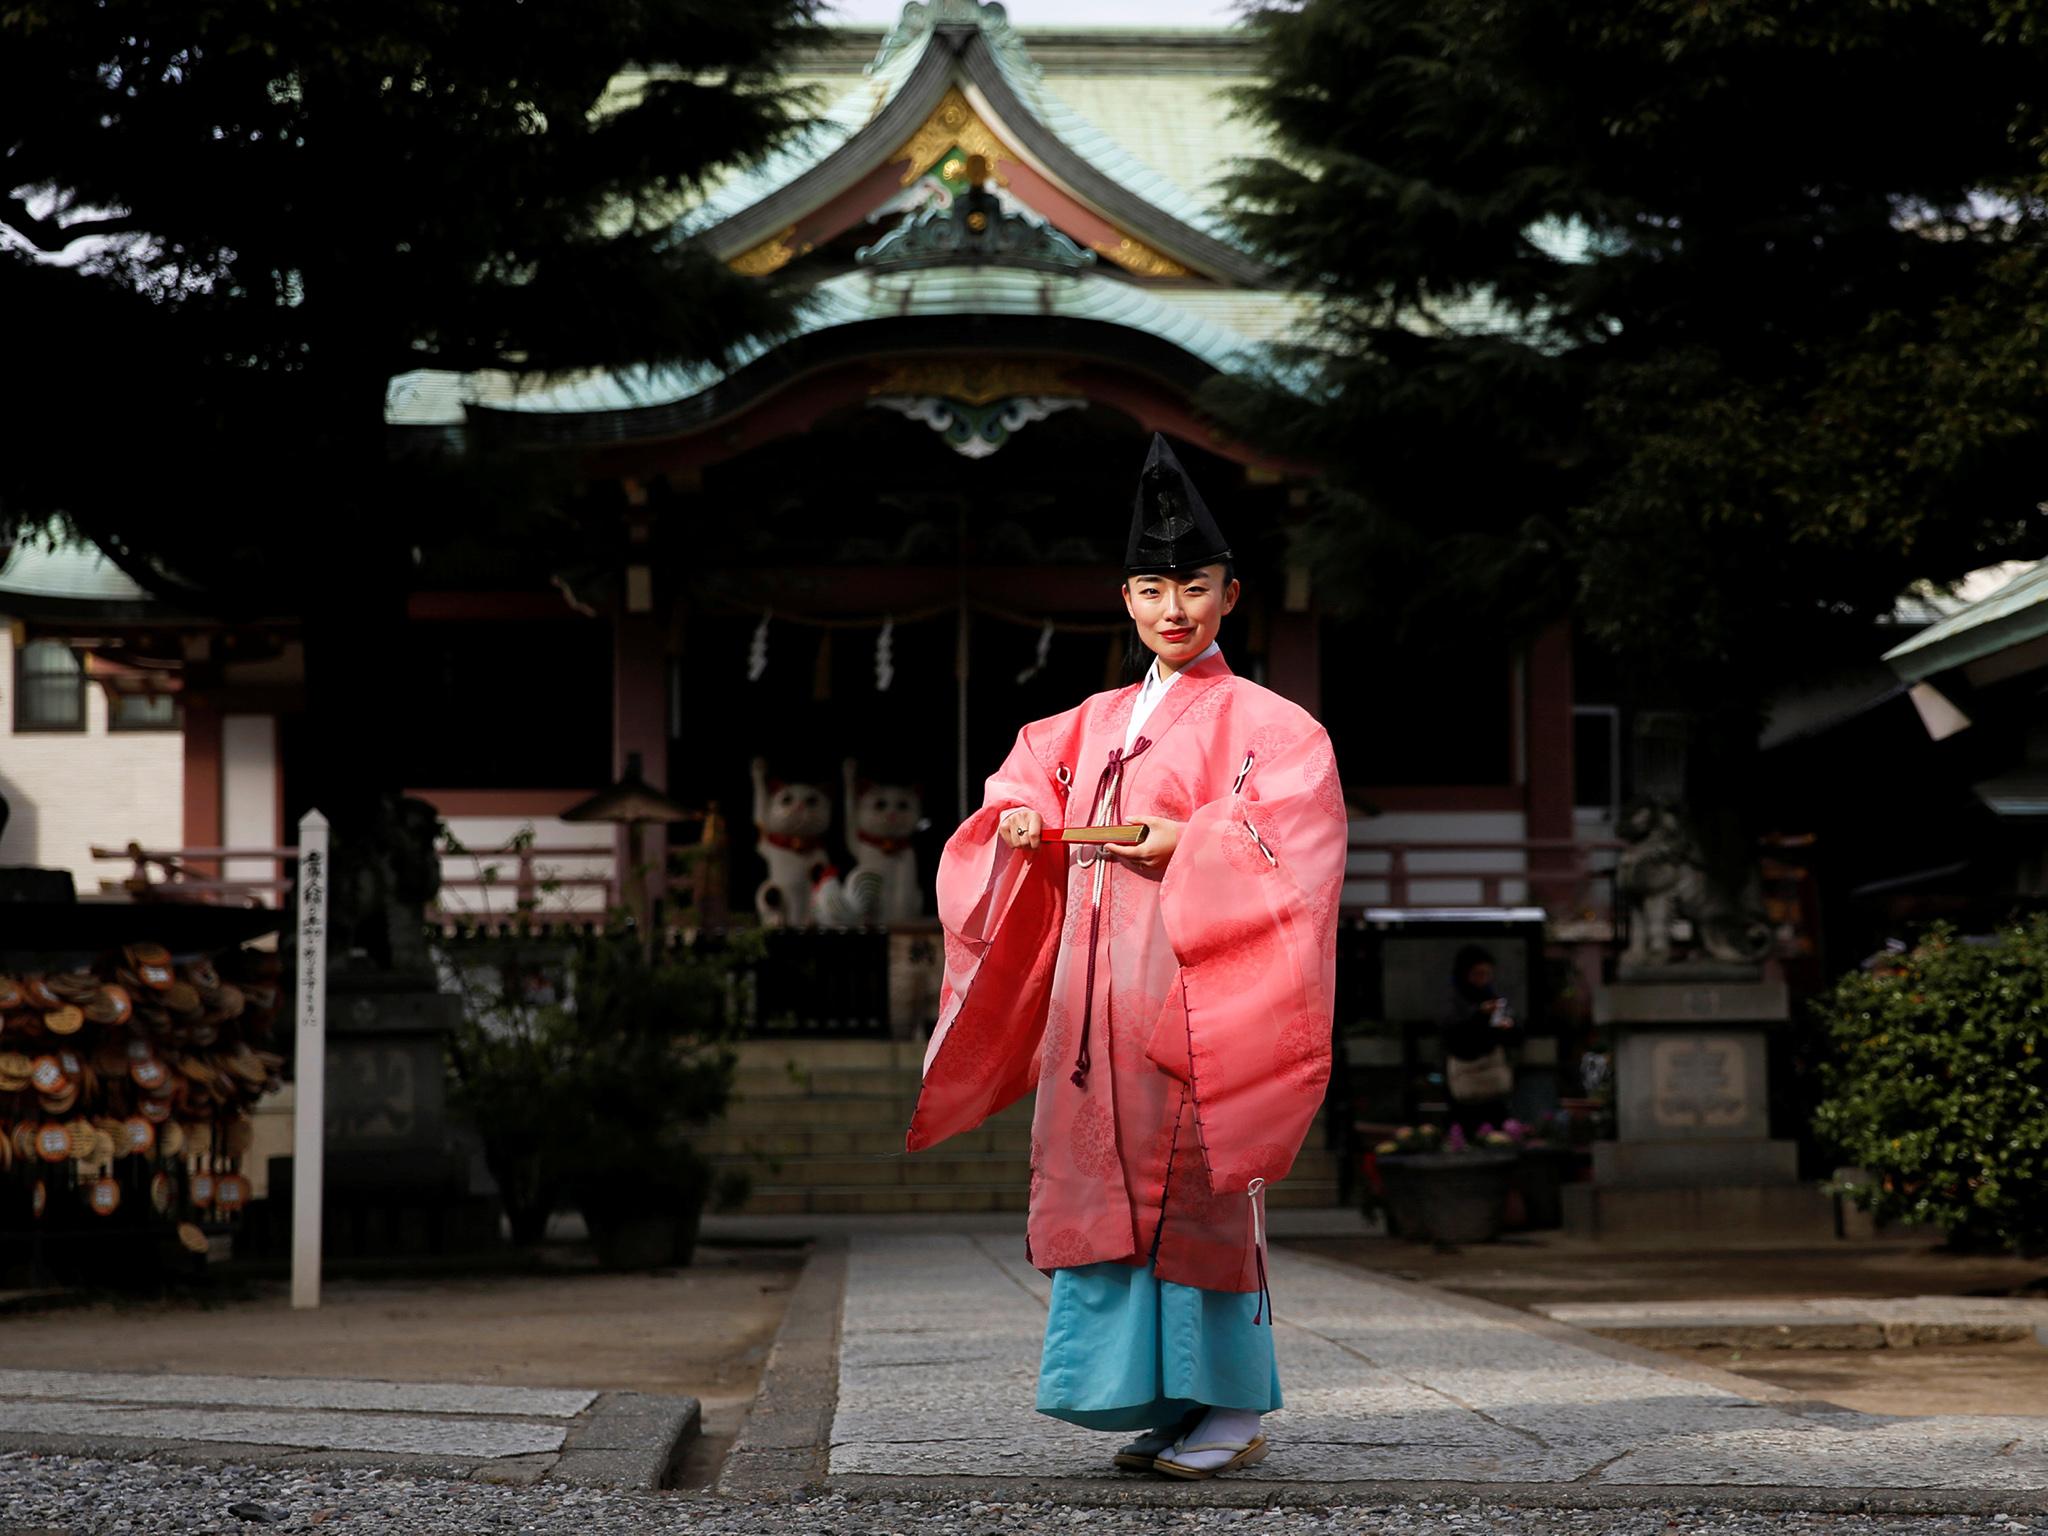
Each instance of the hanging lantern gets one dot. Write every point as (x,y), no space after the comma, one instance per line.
(105,1196)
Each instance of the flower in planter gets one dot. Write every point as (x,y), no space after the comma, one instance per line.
(1417,1140)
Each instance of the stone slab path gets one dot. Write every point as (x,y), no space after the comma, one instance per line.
(1386,1382)
(1820,1322)
(491,1433)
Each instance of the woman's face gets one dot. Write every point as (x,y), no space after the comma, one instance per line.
(1177,616)
(1481,975)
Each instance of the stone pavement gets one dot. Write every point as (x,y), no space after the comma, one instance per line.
(487,1434)
(1821,1322)
(1390,1387)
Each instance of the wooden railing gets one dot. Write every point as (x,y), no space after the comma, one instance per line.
(1566,876)
(194,874)
(531,887)
(197,874)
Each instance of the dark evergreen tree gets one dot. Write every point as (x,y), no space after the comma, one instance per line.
(226,226)
(1712,325)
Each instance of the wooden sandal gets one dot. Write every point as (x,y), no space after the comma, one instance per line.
(1142,1452)
(1247,1455)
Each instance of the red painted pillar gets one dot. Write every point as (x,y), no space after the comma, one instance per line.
(1547,724)
(203,781)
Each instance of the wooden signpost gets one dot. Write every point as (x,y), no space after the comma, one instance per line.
(309,1111)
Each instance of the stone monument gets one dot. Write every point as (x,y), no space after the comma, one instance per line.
(403,1180)
(1689,1014)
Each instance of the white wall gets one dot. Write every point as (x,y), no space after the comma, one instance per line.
(71,789)
(484,835)
(249,810)
(1482,827)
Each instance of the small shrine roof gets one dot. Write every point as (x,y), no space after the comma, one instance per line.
(74,572)
(2015,614)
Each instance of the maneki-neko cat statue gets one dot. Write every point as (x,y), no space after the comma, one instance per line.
(791,821)
(881,819)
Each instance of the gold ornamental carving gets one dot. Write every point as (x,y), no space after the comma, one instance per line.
(972,383)
(771,255)
(1141,259)
(953,123)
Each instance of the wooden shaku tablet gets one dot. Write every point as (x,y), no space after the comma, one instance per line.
(1133,833)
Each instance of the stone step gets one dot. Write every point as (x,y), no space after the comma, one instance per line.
(925,1170)
(747,1141)
(881,1110)
(944,1165)
(872,1111)
(785,1081)
(1829,1322)
(887,1199)
(813,1055)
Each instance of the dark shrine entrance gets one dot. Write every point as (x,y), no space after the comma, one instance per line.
(867,592)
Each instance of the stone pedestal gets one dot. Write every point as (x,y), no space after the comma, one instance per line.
(1693,1151)
(402,1181)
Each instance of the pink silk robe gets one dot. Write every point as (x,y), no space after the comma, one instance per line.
(1210,1032)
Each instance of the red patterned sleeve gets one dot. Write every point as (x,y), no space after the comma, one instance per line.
(1000,909)
(1250,905)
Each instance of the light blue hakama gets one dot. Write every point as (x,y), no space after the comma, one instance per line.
(1127,1350)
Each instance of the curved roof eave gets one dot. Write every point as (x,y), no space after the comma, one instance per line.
(870,340)
(1097,170)
(853,298)
(2015,614)
(67,572)
(825,162)
(1101,171)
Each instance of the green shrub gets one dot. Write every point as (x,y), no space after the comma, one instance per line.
(588,1065)
(1935,1083)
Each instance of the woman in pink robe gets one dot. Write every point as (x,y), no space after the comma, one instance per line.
(1169,1002)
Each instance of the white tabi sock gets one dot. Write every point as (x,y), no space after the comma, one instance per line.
(1224,1426)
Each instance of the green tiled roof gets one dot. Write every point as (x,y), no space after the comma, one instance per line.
(1180,125)
(844,109)
(1163,134)
(437,399)
(2013,615)
(1197,119)
(1128,106)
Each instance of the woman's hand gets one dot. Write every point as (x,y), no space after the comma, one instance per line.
(1161,838)
(1020,828)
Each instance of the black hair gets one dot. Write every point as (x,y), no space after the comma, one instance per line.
(1136,657)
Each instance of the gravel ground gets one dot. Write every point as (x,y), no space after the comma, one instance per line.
(78,1497)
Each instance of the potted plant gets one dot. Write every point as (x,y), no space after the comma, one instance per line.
(587,1064)
(1444,1187)
(1543,1169)
(508,1058)
(653,1064)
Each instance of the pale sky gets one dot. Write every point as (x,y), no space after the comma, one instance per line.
(1063,13)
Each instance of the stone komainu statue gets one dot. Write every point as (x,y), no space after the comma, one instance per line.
(1662,877)
(386,870)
